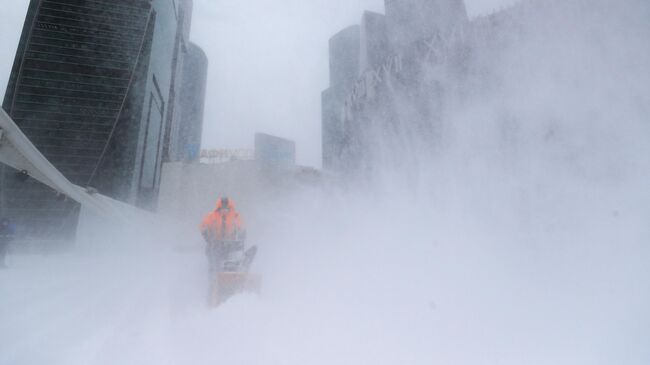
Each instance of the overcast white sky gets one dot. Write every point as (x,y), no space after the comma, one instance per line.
(268,63)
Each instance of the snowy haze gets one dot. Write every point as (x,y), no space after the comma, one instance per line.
(268,64)
(522,239)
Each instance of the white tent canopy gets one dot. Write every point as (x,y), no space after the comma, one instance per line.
(17,151)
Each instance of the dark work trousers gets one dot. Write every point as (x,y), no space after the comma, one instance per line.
(215,254)
(4,247)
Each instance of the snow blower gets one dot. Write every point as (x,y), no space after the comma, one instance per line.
(232,274)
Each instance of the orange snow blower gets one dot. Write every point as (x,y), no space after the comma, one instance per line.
(232,275)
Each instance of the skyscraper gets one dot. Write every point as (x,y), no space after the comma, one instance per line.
(275,152)
(187,137)
(92,87)
(373,41)
(344,69)
(412,20)
(383,63)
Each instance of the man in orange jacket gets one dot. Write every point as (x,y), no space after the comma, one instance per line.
(224,233)
(223,224)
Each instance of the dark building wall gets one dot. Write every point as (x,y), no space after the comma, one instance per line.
(92,87)
(186,8)
(24,36)
(373,41)
(70,81)
(344,57)
(175,115)
(183,12)
(344,69)
(332,129)
(187,146)
(115,171)
(409,21)
(272,151)
(407,61)
(157,109)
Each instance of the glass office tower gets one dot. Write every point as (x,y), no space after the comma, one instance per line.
(92,88)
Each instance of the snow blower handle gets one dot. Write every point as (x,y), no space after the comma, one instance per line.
(229,246)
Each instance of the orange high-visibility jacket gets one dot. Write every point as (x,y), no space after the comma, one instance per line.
(222,226)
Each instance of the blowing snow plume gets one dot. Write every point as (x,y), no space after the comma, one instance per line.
(496,213)
(500,209)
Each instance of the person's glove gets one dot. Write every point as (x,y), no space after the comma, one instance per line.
(208,235)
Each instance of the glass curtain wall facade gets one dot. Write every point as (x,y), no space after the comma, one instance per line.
(90,87)
(187,145)
(344,51)
(393,57)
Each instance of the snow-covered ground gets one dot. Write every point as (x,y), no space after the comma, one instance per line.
(107,310)
(529,247)
(421,289)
